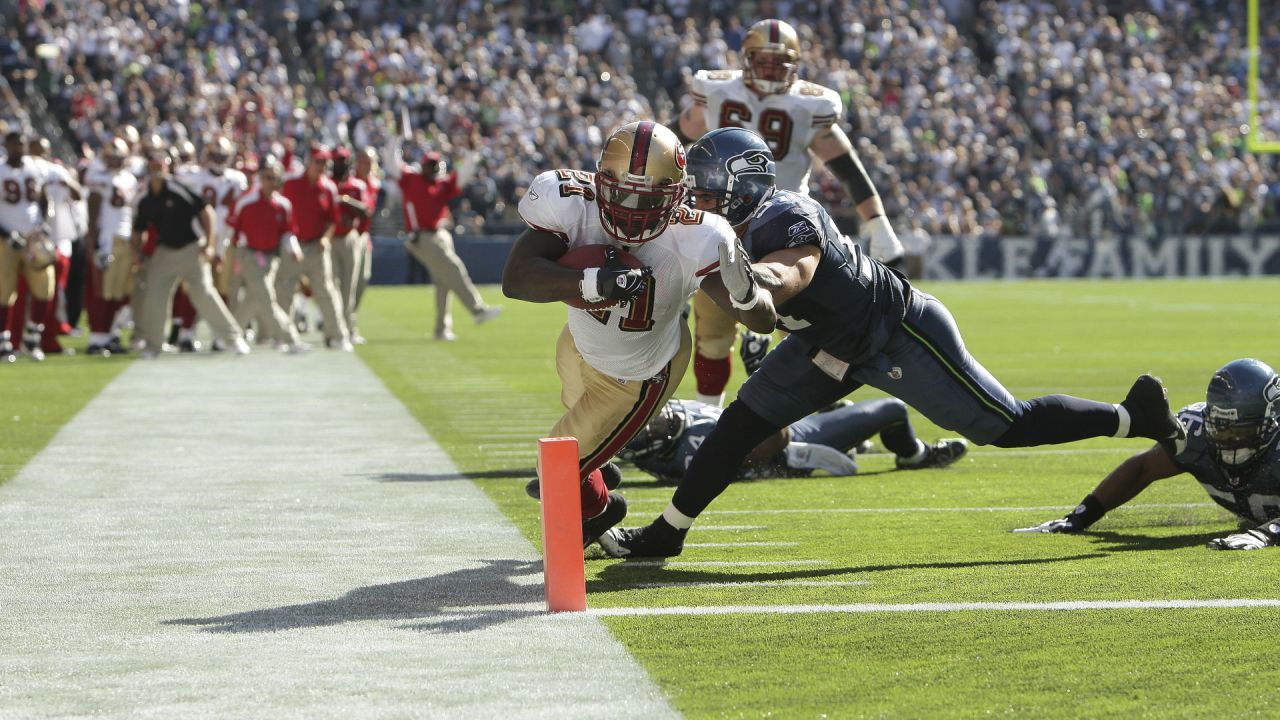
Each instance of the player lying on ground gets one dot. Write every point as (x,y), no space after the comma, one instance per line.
(853,322)
(822,441)
(1230,449)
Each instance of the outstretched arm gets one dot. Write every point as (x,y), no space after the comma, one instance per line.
(1117,488)
(833,148)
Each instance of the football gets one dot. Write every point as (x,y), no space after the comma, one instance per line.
(592,256)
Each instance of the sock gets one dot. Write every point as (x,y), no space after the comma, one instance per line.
(716,463)
(1054,419)
(915,458)
(99,338)
(677,519)
(712,374)
(595,496)
(1122,430)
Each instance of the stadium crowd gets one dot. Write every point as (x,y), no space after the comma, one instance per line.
(1042,117)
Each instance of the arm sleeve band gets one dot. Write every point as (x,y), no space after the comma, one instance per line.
(1088,512)
(848,169)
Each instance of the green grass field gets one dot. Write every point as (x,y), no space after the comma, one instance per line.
(893,538)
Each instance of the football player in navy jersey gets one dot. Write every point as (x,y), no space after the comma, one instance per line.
(1230,449)
(852,322)
(822,441)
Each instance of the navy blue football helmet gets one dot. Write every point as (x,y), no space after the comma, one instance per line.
(1242,412)
(735,167)
(658,438)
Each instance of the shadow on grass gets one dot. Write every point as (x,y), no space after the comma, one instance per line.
(625,575)
(1124,542)
(522,473)
(440,601)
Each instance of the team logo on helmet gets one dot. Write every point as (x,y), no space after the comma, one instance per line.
(681,160)
(751,162)
(1271,392)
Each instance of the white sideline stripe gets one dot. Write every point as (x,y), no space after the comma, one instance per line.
(726,528)
(1225,603)
(1032,453)
(740,544)
(213,539)
(1029,508)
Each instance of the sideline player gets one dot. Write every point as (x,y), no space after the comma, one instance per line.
(23,207)
(799,120)
(620,364)
(1230,449)
(112,191)
(853,322)
(821,441)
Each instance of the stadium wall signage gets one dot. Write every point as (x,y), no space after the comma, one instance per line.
(956,258)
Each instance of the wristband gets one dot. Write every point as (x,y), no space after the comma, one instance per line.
(1088,512)
(590,285)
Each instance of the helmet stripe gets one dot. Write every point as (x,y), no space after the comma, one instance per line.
(773,32)
(640,149)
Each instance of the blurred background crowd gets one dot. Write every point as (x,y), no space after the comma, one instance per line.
(1123,117)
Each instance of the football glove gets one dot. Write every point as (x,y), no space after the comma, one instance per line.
(739,279)
(614,280)
(102,259)
(14,240)
(883,243)
(1086,513)
(752,349)
(1265,535)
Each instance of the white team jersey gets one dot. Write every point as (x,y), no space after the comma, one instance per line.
(20,189)
(119,191)
(215,190)
(788,122)
(68,219)
(633,341)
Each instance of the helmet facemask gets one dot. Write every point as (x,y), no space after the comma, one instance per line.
(1238,442)
(770,72)
(632,211)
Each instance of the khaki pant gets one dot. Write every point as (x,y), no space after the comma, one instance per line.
(316,267)
(713,328)
(346,267)
(257,274)
(366,270)
(138,299)
(13,262)
(606,413)
(434,249)
(117,279)
(165,270)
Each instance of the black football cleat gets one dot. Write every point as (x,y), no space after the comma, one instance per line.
(613,513)
(658,539)
(116,347)
(1149,414)
(7,354)
(937,455)
(533,489)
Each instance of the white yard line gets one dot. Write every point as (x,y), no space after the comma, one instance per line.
(1224,603)
(740,544)
(821,511)
(216,537)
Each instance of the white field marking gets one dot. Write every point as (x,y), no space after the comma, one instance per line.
(996,452)
(754,583)
(1031,508)
(726,528)
(212,540)
(740,544)
(1224,603)
(718,563)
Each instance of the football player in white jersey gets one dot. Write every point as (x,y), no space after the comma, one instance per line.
(23,207)
(67,223)
(112,190)
(220,185)
(796,118)
(618,365)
